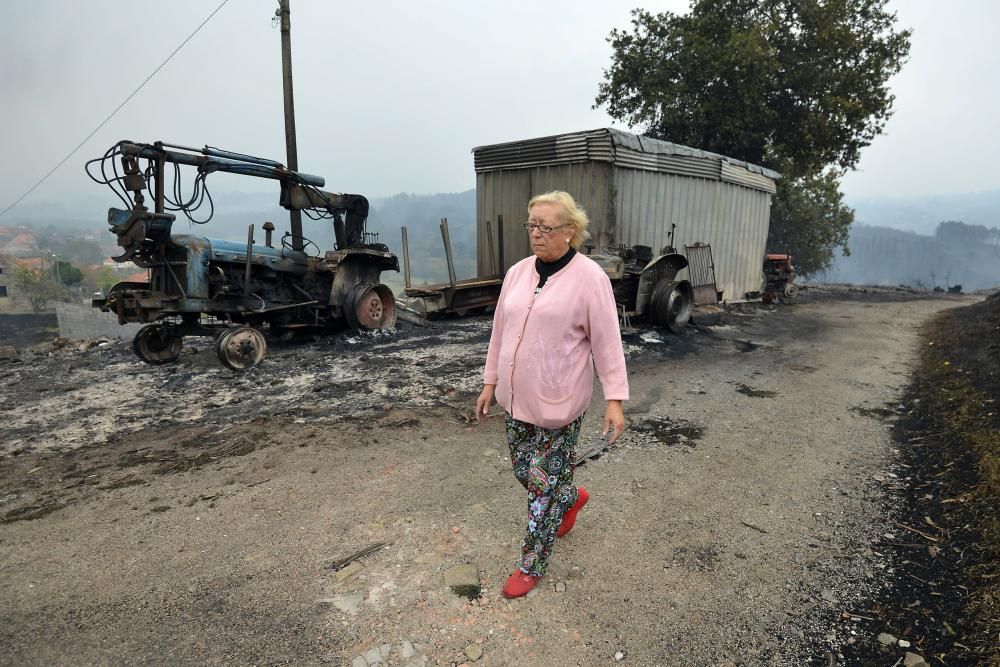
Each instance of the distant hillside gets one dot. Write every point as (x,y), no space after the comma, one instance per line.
(884,256)
(31,229)
(922,214)
(421,214)
(891,242)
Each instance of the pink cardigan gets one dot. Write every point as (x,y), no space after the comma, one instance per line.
(542,345)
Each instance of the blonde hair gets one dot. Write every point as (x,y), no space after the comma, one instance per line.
(569,212)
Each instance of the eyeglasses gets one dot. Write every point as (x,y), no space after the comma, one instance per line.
(544,229)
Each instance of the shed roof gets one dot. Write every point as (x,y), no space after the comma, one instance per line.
(623,149)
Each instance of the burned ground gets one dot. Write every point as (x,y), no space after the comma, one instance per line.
(27,329)
(945,540)
(188,515)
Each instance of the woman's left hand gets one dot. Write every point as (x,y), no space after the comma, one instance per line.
(614,421)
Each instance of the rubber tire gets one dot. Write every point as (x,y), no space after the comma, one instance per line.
(358,308)
(150,345)
(227,356)
(670,304)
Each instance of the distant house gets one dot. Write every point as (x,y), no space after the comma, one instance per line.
(11,300)
(7,290)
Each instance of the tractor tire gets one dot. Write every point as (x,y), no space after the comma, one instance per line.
(670,304)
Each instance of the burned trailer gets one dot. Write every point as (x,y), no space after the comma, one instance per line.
(638,192)
(236,290)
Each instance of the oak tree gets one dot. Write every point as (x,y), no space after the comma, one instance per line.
(800,86)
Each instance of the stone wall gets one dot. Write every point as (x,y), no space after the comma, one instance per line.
(79,321)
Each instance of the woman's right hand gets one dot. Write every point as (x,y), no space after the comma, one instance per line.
(483,402)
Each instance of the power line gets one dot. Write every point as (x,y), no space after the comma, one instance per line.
(117,109)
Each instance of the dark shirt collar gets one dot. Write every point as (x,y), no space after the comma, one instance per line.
(546,269)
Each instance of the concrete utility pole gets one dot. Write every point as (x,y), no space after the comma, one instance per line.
(292,161)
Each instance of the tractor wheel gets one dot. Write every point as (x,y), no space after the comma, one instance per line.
(241,348)
(791,291)
(155,345)
(670,304)
(371,307)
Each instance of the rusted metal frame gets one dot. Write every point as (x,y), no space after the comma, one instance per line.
(474,298)
(406,259)
(159,185)
(302,291)
(489,247)
(503,268)
(211,163)
(447,252)
(249,262)
(286,307)
(702,273)
(166,262)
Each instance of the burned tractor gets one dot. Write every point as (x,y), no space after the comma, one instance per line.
(647,286)
(233,290)
(779,277)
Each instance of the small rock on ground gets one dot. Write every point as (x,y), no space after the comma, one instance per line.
(373,656)
(406,650)
(474,652)
(886,639)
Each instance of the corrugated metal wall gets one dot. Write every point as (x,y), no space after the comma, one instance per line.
(506,192)
(731,218)
(633,188)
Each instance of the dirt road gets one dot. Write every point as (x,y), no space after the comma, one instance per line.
(187,515)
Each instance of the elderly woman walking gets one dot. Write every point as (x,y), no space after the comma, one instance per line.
(555,315)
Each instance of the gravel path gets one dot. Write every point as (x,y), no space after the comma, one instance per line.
(187,515)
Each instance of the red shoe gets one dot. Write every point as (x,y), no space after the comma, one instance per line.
(519,584)
(569,518)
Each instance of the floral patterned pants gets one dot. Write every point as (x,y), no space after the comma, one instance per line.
(542,459)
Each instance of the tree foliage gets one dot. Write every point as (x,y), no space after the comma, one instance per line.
(67,274)
(106,277)
(956,231)
(37,287)
(800,87)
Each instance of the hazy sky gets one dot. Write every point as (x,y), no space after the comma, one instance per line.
(392,96)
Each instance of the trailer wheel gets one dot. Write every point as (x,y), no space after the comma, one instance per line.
(155,345)
(371,307)
(241,348)
(791,291)
(670,304)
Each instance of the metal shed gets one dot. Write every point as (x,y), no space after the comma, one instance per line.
(633,189)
